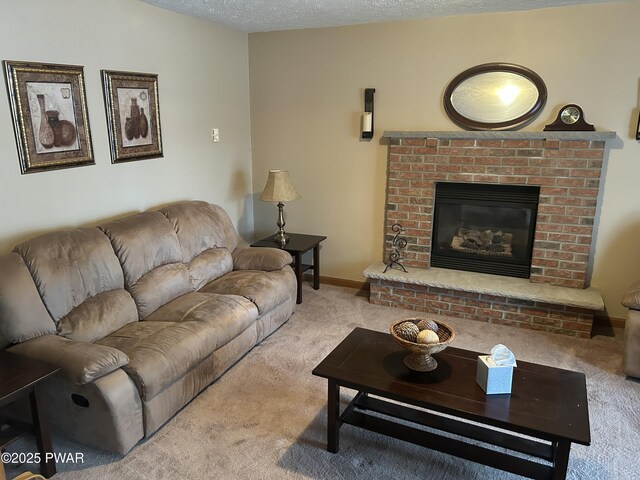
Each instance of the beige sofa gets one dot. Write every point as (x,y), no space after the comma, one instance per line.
(631,300)
(141,314)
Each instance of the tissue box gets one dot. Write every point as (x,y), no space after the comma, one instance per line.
(493,378)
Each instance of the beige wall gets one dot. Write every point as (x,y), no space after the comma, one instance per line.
(306,98)
(203,83)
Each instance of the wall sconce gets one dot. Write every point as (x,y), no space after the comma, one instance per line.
(367,116)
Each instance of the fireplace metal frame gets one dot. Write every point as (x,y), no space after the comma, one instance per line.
(516,196)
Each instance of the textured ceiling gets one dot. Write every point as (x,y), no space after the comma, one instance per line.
(268,15)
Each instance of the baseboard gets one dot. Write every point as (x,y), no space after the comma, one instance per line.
(340,282)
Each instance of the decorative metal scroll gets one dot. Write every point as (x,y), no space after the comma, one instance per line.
(397,245)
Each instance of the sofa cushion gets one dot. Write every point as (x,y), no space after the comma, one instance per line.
(209,265)
(68,267)
(161,352)
(160,286)
(80,362)
(142,242)
(200,226)
(206,237)
(266,259)
(230,315)
(98,316)
(22,313)
(265,289)
(151,259)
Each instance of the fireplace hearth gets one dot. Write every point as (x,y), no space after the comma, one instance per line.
(484,227)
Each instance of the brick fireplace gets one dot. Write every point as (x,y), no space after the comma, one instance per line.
(566,166)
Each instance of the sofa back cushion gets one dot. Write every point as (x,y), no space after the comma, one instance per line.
(151,258)
(72,267)
(99,316)
(206,237)
(23,316)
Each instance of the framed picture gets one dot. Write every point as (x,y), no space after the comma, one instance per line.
(49,111)
(133,115)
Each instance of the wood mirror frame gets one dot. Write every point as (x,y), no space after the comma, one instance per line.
(491,115)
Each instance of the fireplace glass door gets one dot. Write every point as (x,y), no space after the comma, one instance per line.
(484,228)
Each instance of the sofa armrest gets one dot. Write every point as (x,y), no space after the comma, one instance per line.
(631,299)
(260,258)
(81,362)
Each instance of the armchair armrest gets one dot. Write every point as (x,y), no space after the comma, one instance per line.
(631,299)
(262,258)
(81,362)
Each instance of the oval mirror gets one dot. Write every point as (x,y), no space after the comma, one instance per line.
(495,96)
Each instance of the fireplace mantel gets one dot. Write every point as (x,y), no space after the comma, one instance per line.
(503,135)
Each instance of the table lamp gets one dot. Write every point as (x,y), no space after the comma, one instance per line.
(279,189)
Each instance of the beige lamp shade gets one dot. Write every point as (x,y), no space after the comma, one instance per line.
(279,188)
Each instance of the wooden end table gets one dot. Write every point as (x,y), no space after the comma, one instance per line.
(297,246)
(21,377)
(547,404)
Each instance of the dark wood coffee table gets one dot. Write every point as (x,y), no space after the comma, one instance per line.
(547,404)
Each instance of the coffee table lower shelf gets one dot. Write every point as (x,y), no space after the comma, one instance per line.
(556,453)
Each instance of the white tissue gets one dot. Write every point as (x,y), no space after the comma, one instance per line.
(501,356)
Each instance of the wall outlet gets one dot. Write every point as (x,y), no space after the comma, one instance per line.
(215,135)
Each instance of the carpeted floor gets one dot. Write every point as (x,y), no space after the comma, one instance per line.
(266,417)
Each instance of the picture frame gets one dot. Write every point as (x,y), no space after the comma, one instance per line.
(49,112)
(133,115)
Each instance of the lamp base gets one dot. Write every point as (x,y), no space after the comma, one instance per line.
(281,238)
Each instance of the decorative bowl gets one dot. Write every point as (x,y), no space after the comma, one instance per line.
(419,358)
